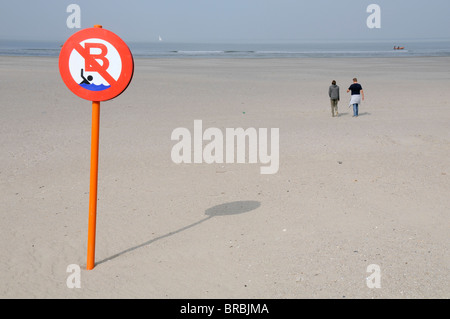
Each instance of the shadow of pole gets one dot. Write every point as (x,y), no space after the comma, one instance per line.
(232,208)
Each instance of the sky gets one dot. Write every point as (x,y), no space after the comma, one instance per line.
(228,21)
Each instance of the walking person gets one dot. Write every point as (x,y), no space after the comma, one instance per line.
(333,93)
(357,96)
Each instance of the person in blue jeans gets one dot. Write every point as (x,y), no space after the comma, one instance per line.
(357,96)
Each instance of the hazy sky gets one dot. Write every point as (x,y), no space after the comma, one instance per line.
(228,20)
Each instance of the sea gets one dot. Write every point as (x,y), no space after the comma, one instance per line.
(299,49)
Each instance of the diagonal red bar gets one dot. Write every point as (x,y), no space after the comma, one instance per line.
(95,65)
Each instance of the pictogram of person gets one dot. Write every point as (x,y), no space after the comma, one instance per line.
(86,81)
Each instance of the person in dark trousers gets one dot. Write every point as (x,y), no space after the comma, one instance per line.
(357,96)
(333,93)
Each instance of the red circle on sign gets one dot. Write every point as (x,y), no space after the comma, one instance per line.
(93,45)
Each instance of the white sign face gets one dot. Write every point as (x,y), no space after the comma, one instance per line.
(95,76)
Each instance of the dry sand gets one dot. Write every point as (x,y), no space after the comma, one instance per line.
(350,192)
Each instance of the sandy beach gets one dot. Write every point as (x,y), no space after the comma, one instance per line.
(349,192)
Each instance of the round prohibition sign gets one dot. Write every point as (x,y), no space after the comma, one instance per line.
(96,65)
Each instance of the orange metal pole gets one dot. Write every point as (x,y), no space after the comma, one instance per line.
(93,182)
(93,185)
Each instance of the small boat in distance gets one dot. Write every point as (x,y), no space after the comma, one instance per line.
(398,48)
(160,39)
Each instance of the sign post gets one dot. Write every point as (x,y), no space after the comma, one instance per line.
(93,185)
(96,65)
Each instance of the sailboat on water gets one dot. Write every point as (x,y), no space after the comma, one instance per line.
(159,39)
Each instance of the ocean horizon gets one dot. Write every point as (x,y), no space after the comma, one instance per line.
(301,49)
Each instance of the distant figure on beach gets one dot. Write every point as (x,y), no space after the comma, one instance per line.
(333,93)
(357,96)
(86,81)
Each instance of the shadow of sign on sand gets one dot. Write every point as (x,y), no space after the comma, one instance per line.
(226,209)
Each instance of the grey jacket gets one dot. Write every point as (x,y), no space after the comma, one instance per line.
(333,92)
